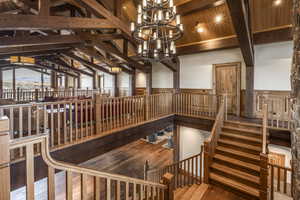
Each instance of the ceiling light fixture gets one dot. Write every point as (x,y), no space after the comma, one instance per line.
(156,29)
(200,29)
(218,18)
(277,2)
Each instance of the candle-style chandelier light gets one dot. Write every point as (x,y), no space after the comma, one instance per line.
(156,29)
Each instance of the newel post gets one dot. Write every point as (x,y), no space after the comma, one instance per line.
(146,168)
(168,180)
(263,193)
(4,159)
(98,106)
(206,162)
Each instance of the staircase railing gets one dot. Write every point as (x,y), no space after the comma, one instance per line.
(280,180)
(263,194)
(186,172)
(211,143)
(109,186)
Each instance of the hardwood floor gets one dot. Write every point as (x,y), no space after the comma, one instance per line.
(216,193)
(127,160)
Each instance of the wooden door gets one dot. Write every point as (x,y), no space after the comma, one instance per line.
(227,81)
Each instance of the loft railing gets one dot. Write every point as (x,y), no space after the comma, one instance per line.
(115,186)
(280,181)
(211,143)
(279,109)
(22,95)
(74,121)
(186,172)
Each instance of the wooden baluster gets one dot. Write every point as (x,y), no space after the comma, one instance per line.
(108,188)
(76,121)
(285,181)
(118,192)
(4,158)
(111,113)
(69,185)
(29,120)
(52,127)
(97,188)
(58,124)
(86,118)
(84,184)
(65,123)
(272,182)
(29,172)
(51,183)
(71,121)
(278,179)
(81,120)
(127,191)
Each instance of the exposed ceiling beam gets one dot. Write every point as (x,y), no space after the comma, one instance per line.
(112,50)
(279,34)
(39,40)
(34,22)
(53,68)
(198,5)
(102,37)
(85,62)
(170,64)
(209,45)
(32,50)
(240,15)
(58,61)
(99,10)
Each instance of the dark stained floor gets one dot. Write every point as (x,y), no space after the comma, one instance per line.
(129,160)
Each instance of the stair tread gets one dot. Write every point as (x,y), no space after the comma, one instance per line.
(243,129)
(240,144)
(234,184)
(238,162)
(244,123)
(239,153)
(236,172)
(180,191)
(241,137)
(200,192)
(189,193)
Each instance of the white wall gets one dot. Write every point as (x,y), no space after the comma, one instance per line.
(123,80)
(272,66)
(140,79)
(162,77)
(196,70)
(190,141)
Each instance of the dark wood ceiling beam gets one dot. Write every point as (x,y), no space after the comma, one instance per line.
(94,53)
(239,11)
(33,50)
(53,68)
(170,64)
(85,62)
(275,35)
(39,40)
(101,37)
(198,5)
(35,22)
(99,10)
(112,50)
(58,61)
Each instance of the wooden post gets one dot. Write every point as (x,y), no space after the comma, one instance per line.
(149,82)
(176,77)
(116,85)
(168,180)
(263,192)
(98,113)
(249,106)
(1,83)
(206,162)
(176,152)
(78,82)
(36,95)
(95,76)
(146,168)
(133,83)
(14,82)
(4,159)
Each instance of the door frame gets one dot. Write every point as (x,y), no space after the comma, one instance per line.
(238,88)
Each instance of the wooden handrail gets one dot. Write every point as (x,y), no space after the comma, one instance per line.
(43,139)
(210,143)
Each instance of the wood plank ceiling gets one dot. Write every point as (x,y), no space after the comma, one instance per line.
(96,33)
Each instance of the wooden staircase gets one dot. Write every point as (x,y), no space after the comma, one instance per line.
(236,162)
(194,192)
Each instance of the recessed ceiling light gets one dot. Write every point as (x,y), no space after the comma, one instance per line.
(218,18)
(277,2)
(200,29)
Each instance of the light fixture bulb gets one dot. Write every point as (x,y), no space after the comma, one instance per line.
(277,2)
(218,18)
(200,29)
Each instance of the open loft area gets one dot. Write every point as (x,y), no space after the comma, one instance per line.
(149,99)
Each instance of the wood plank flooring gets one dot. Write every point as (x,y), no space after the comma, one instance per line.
(217,193)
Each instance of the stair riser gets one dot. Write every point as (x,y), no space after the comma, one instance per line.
(238,157)
(234,190)
(241,148)
(238,167)
(243,126)
(249,134)
(243,181)
(241,140)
